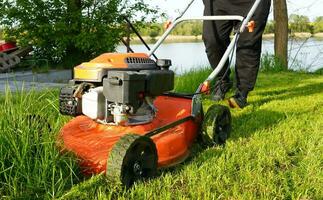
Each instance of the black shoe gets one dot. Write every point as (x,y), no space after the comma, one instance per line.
(239,100)
(221,89)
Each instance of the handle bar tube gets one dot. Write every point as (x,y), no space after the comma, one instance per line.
(231,46)
(180,20)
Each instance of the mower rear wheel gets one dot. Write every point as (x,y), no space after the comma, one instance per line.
(216,126)
(132,158)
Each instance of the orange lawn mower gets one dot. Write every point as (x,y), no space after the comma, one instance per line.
(127,122)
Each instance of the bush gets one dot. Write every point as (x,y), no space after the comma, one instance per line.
(70,31)
(270,27)
(270,63)
(318,25)
(319,71)
(155,31)
(1,34)
(300,23)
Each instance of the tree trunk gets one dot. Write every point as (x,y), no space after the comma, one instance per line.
(281,31)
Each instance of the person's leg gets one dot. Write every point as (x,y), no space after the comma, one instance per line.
(248,56)
(216,37)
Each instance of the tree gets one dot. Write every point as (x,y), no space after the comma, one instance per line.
(270,27)
(154,31)
(197,29)
(299,23)
(281,31)
(318,25)
(1,34)
(69,30)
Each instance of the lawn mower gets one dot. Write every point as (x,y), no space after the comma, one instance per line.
(127,121)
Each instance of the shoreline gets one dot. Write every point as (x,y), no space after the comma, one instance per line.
(188,38)
(192,38)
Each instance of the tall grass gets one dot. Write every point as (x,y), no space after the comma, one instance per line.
(275,149)
(270,63)
(31,165)
(189,81)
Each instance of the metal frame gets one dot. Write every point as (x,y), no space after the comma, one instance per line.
(197,98)
(180,20)
(231,46)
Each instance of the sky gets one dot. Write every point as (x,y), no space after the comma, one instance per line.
(310,8)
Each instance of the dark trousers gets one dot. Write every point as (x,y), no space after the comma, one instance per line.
(216,37)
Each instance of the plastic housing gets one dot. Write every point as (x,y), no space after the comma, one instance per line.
(93,103)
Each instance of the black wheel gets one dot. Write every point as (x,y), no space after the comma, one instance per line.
(131,159)
(216,126)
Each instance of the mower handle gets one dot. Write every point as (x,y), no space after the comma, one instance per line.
(183,19)
(232,44)
(244,23)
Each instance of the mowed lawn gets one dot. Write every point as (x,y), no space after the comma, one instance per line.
(275,150)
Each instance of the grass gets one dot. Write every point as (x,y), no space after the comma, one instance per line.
(31,165)
(275,149)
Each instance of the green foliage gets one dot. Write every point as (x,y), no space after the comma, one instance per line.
(270,27)
(155,31)
(299,23)
(151,30)
(197,28)
(187,29)
(270,63)
(31,164)
(318,25)
(319,71)
(1,34)
(72,30)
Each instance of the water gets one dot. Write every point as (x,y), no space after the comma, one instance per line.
(303,54)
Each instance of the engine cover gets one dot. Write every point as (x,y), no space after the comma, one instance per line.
(130,88)
(124,87)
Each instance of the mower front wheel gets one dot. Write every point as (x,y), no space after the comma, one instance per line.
(216,126)
(132,158)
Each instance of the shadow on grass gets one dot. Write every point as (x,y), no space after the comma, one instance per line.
(247,124)
(244,126)
(289,93)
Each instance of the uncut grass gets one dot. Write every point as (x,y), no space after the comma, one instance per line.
(275,149)
(31,166)
(189,81)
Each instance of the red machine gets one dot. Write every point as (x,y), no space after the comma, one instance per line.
(11,55)
(128,123)
(8,46)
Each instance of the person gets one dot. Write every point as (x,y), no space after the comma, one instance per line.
(216,37)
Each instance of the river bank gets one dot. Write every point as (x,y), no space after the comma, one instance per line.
(190,38)
(198,38)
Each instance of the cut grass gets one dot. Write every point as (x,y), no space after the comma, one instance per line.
(275,149)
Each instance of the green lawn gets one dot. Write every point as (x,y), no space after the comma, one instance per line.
(275,150)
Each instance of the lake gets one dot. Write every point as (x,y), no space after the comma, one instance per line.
(303,54)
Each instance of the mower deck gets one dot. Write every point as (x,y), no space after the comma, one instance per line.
(92,142)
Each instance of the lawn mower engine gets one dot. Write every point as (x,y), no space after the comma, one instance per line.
(117,88)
